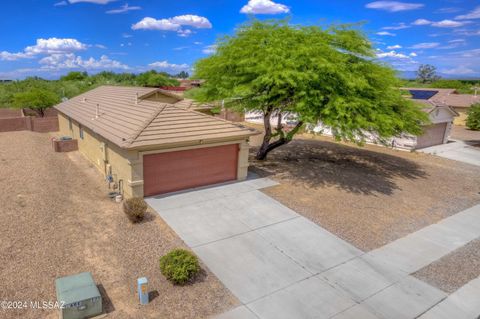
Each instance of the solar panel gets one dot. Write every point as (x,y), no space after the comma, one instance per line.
(422,94)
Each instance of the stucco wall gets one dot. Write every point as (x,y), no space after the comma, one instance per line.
(128,165)
(462,117)
(91,146)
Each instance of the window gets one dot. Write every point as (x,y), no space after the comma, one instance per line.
(80,129)
(70,123)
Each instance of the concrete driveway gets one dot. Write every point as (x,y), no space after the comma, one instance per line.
(281,265)
(456,150)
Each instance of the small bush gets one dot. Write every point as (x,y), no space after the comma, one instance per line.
(135,209)
(179,266)
(473,117)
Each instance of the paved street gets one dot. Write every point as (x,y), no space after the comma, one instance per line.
(281,265)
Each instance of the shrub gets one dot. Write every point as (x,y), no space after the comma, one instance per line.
(473,117)
(135,208)
(179,266)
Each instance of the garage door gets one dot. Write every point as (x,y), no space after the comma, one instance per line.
(174,171)
(433,135)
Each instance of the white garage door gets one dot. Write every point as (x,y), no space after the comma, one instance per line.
(432,135)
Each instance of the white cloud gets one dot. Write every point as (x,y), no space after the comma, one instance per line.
(174,24)
(60,3)
(393,47)
(192,21)
(448,24)
(264,7)
(92,1)
(149,23)
(210,49)
(166,66)
(474,14)
(386,33)
(72,61)
(425,45)
(461,70)
(393,6)
(392,54)
(123,9)
(413,54)
(422,22)
(440,24)
(46,46)
(126,35)
(448,10)
(398,26)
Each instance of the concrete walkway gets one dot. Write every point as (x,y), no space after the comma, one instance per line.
(281,265)
(456,150)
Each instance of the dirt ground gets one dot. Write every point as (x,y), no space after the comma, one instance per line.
(57,221)
(464,134)
(368,195)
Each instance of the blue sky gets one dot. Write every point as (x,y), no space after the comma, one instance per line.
(50,38)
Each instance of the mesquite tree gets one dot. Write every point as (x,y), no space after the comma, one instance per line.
(318,74)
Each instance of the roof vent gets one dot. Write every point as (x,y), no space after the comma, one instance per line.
(136,98)
(97,111)
(84,100)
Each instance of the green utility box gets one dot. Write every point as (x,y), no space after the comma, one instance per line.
(79,295)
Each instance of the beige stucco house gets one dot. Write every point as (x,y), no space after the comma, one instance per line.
(460,103)
(144,138)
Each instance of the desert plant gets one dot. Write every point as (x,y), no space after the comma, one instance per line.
(135,208)
(473,117)
(179,266)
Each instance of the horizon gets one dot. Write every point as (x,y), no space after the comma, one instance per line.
(54,38)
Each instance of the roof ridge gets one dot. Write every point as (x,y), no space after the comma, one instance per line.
(147,122)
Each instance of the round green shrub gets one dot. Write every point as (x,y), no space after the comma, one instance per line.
(473,117)
(179,266)
(135,209)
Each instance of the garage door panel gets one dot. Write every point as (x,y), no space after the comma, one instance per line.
(174,171)
(432,135)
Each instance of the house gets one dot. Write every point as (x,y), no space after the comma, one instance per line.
(437,132)
(459,102)
(142,137)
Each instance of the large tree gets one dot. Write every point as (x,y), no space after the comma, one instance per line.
(36,99)
(427,73)
(319,74)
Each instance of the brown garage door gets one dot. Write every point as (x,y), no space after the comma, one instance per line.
(174,171)
(432,135)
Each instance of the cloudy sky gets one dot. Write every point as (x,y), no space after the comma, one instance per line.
(50,38)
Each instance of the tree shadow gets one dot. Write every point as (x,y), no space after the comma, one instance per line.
(318,163)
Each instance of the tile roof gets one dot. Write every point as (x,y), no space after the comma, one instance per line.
(449,97)
(134,122)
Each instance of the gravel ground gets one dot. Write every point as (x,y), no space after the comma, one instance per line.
(464,134)
(57,221)
(368,195)
(453,270)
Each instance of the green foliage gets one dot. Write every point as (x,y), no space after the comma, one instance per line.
(75,83)
(427,73)
(135,209)
(154,79)
(473,117)
(36,99)
(462,86)
(320,74)
(182,75)
(74,76)
(179,266)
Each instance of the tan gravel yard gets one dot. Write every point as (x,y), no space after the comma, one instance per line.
(455,269)
(368,196)
(56,221)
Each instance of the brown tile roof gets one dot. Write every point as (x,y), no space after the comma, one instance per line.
(133,123)
(449,97)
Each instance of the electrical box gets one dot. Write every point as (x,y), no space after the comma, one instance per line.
(79,295)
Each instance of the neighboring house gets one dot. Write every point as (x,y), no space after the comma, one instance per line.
(459,102)
(438,132)
(144,138)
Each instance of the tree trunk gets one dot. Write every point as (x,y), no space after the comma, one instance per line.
(266,146)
